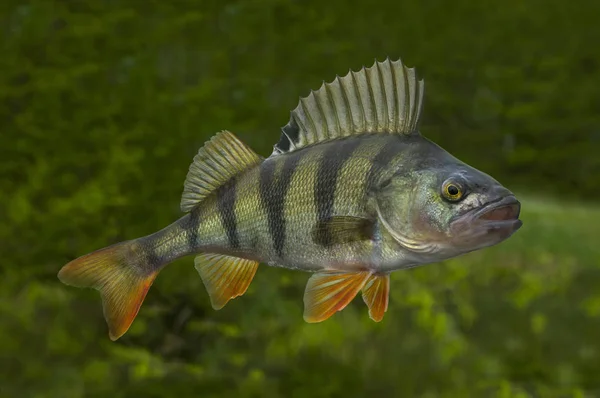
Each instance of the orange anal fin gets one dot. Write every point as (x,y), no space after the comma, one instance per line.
(330,291)
(224,277)
(376,294)
(115,273)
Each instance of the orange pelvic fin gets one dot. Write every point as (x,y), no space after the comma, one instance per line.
(376,293)
(330,291)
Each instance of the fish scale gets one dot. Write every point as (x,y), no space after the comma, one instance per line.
(351,192)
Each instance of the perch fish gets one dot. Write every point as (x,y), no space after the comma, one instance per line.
(351,192)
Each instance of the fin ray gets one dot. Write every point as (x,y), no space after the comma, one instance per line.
(224,277)
(330,291)
(122,283)
(385,98)
(375,294)
(222,157)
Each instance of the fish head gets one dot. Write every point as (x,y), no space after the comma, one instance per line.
(484,213)
(445,208)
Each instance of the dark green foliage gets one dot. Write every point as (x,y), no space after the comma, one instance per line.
(103,105)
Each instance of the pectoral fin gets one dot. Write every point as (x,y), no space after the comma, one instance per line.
(342,229)
(224,277)
(330,291)
(376,293)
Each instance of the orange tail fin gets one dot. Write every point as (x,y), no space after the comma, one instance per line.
(119,273)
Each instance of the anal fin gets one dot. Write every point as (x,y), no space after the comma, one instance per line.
(224,277)
(375,293)
(330,291)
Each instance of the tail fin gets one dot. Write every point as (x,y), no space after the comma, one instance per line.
(119,273)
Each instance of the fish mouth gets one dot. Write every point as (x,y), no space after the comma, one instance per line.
(499,218)
(504,211)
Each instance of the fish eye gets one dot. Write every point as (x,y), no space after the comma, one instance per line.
(452,191)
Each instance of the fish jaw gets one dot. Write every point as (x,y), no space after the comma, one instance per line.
(487,225)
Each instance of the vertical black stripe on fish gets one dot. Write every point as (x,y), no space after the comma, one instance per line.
(149,246)
(192,225)
(153,259)
(273,192)
(265,189)
(226,197)
(385,155)
(332,162)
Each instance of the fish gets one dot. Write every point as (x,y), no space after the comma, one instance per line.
(351,192)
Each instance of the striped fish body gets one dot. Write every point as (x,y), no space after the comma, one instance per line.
(351,192)
(278,212)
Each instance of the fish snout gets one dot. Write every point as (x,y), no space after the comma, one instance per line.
(505,209)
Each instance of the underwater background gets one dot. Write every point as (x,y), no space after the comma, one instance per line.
(103,105)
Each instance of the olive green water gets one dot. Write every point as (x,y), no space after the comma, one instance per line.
(104,104)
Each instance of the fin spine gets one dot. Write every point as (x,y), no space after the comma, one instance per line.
(384,98)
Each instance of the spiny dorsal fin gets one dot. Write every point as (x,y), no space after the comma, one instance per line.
(215,163)
(385,98)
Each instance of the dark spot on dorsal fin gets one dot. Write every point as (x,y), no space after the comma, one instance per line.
(289,136)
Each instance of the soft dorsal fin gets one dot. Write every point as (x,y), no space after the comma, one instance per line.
(385,98)
(215,163)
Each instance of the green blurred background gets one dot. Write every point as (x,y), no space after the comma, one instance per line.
(103,104)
